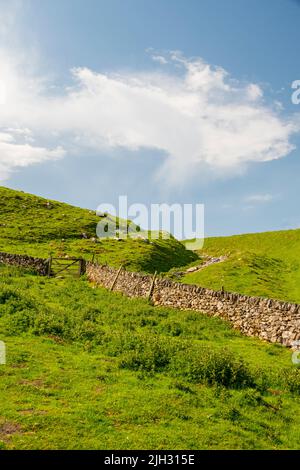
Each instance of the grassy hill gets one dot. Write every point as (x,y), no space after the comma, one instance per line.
(266,264)
(91,369)
(39,227)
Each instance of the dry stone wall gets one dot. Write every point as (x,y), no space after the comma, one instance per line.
(39,265)
(270,320)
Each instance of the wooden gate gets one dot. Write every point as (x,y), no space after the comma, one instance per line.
(66,267)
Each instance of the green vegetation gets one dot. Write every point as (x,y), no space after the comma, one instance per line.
(91,369)
(39,227)
(261,264)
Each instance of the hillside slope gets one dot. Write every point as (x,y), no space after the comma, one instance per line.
(261,264)
(39,227)
(91,369)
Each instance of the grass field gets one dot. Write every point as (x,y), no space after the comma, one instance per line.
(90,369)
(266,264)
(35,226)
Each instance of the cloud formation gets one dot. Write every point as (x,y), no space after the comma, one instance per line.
(14,154)
(195,113)
(259,198)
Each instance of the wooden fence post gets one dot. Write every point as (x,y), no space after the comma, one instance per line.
(82,267)
(49,266)
(152,286)
(116,277)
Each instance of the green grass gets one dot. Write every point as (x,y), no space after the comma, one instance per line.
(91,369)
(28,225)
(261,264)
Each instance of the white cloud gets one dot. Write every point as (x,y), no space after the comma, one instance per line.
(160,59)
(254,91)
(14,155)
(259,198)
(198,116)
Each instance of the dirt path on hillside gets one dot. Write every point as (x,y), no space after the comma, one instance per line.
(209,261)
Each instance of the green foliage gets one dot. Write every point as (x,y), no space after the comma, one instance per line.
(7,296)
(291,380)
(213,367)
(151,354)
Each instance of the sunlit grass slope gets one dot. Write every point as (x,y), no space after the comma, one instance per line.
(40,227)
(266,264)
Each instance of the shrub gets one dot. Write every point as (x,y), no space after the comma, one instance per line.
(86,330)
(219,367)
(8,295)
(150,354)
(291,380)
(19,322)
(48,323)
(265,378)
(121,342)
(172,328)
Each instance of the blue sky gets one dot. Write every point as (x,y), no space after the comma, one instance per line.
(165,101)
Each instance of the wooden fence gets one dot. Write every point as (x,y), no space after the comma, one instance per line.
(71,266)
